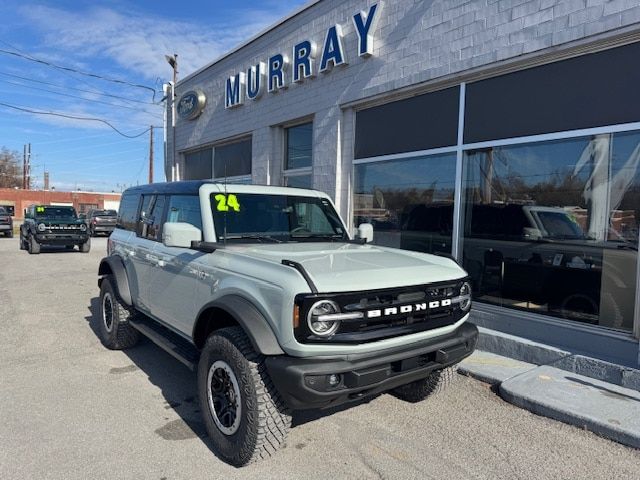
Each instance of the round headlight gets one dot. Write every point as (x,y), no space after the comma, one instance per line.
(83,227)
(465,296)
(41,227)
(324,327)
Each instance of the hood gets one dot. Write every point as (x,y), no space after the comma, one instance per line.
(339,267)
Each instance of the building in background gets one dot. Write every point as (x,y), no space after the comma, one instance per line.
(18,200)
(506,134)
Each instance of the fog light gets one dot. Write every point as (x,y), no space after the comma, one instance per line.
(333,380)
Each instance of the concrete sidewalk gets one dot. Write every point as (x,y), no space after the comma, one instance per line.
(600,397)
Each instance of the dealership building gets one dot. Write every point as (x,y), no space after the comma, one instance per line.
(505,133)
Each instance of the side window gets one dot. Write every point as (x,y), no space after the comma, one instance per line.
(128,212)
(151,217)
(154,229)
(145,215)
(185,208)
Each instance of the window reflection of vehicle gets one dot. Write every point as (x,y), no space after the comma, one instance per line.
(533,257)
(427,228)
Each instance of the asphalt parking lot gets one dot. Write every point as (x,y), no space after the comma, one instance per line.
(71,409)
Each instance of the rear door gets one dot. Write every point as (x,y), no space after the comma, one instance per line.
(142,245)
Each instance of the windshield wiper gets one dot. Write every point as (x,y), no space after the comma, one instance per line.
(252,237)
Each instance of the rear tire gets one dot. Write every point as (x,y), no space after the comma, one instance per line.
(113,319)
(34,246)
(243,412)
(419,390)
(9,234)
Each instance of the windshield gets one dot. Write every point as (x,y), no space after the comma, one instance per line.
(275,218)
(56,213)
(3,211)
(560,225)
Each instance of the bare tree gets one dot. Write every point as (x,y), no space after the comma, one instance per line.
(10,169)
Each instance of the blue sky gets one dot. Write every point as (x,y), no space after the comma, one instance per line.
(122,40)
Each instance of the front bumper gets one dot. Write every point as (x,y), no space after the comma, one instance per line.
(62,239)
(5,226)
(302,382)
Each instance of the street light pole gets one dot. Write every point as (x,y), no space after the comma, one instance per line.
(173,61)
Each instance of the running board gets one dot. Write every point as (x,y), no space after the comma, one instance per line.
(170,342)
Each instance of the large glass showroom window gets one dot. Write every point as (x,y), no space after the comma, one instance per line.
(408,201)
(298,156)
(552,227)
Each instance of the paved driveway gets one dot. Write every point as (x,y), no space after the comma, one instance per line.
(70,409)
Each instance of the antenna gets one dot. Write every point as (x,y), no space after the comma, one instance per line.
(226,199)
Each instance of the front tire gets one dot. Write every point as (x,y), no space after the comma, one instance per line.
(242,411)
(22,242)
(419,390)
(114,316)
(86,246)
(34,246)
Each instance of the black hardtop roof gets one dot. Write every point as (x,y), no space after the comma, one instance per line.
(187,187)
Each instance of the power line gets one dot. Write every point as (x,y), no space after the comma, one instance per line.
(73,117)
(67,87)
(80,72)
(80,98)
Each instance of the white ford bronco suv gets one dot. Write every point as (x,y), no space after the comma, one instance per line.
(264,293)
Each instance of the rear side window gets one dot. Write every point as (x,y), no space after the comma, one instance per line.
(128,213)
(185,208)
(151,217)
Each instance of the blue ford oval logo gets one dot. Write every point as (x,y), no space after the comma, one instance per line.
(191,104)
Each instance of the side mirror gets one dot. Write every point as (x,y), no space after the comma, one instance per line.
(180,234)
(365,232)
(531,233)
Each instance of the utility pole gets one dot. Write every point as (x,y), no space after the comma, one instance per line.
(151,154)
(24,168)
(28,166)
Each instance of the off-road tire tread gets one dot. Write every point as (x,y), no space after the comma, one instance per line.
(33,246)
(85,247)
(434,384)
(273,416)
(122,335)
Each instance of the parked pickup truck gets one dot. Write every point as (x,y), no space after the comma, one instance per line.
(6,223)
(265,294)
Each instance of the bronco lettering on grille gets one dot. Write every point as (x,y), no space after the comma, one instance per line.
(416,307)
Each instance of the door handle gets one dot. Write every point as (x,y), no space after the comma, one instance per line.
(156,260)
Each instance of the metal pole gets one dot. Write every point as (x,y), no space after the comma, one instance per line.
(173,114)
(24,168)
(151,154)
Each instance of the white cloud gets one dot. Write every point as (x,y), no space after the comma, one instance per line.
(137,41)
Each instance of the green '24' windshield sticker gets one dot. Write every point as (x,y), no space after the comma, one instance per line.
(227,202)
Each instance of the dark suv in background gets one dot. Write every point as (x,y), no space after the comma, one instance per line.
(6,222)
(53,225)
(101,221)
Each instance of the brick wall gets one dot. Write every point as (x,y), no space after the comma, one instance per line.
(416,41)
(21,199)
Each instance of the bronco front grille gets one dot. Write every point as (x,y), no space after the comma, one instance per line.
(386,313)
